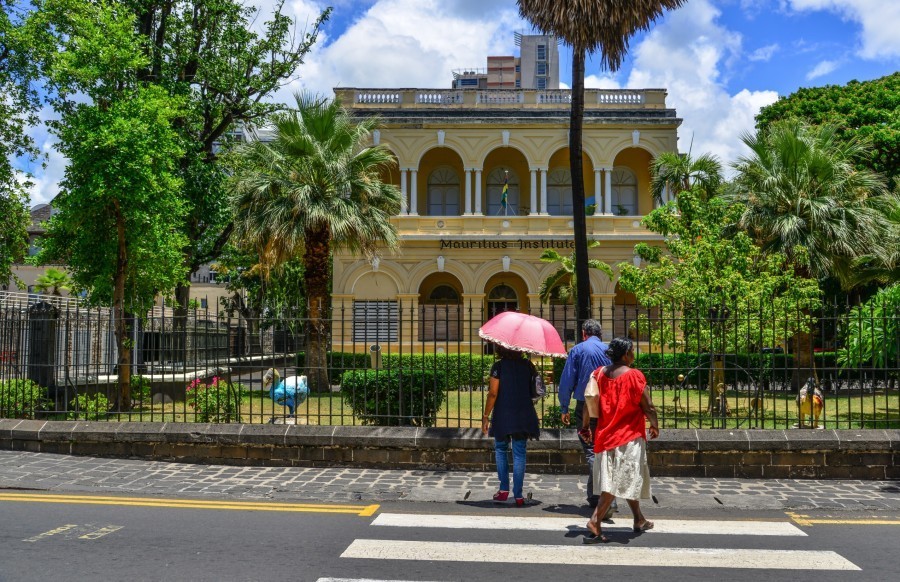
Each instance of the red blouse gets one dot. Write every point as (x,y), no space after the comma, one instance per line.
(621,416)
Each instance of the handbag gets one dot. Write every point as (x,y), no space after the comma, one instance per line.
(592,396)
(538,389)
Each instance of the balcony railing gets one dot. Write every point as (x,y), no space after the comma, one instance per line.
(508,98)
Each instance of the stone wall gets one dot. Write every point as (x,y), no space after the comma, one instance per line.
(770,454)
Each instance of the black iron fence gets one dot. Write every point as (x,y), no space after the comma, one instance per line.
(394,362)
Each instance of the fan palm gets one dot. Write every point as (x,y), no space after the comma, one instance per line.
(804,197)
(676,173)
(314,188)
(562,283)
(588,26)
(54,281)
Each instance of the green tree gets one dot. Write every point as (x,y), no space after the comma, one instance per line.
(120,203)
(18,108)
(209,53)
(562,283)
(313,188)
(871,336)
(54,281)
(678,172)
(803,198)
(858,110)
(588,26)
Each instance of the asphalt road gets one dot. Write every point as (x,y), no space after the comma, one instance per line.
(88,537)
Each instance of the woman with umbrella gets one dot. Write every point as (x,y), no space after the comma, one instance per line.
(509,414)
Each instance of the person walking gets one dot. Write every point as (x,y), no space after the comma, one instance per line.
(583,359)
(620,441)
(509,417)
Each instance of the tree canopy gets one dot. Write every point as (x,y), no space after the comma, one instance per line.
(859,109)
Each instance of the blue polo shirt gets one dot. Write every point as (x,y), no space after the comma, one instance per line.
(583,359)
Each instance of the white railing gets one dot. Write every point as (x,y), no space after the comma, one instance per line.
(501,97)
(616,97)
(555,96)
(378,97)
(439,97)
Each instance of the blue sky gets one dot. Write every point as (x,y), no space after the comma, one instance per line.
(720,60)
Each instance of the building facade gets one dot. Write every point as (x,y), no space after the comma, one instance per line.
(468,247)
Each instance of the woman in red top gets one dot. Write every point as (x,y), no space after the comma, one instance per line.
(620,443)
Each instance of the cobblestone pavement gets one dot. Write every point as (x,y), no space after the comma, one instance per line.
(62,473)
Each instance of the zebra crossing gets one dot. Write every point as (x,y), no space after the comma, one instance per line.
(370,547)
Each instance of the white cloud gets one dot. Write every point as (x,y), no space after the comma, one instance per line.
(764,53)
(879,20)
(409,43)
(691,55)
(822,69)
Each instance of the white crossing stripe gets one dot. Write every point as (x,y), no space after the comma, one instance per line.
(361,580)
(669,526)
(597,555)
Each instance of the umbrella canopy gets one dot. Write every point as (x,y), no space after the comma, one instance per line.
(525,333)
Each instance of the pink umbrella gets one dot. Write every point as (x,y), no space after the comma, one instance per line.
(525,333)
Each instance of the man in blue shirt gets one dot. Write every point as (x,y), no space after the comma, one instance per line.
(583,359)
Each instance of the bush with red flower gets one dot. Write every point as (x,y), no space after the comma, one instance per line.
(216,400)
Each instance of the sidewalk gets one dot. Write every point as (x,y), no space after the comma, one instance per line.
(62,473)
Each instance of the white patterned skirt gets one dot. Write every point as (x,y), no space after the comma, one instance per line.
(623,471)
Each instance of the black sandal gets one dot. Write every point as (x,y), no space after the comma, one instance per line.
(590,539)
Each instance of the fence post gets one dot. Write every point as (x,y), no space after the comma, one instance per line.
(41,363)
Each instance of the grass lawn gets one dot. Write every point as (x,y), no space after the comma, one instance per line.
(686,408)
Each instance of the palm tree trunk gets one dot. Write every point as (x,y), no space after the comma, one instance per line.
(804,359)
(583,281)
(317,262)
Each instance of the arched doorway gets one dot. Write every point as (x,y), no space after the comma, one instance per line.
(502,298)
(440,311)
(624,191)
(559,192)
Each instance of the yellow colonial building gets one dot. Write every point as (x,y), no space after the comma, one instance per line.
(464,255)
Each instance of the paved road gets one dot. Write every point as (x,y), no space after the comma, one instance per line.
(81,518)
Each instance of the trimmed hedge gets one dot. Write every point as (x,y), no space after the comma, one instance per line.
(453,371)
(664,369)
(21,398)
(399,397)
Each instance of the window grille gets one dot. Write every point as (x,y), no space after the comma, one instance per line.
(376,321)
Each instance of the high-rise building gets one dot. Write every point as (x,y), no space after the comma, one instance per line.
(536,67)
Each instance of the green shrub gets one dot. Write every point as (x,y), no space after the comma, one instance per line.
(395,397)
(88,407)
(140,390)
(552,418)
(21,398)
(216,401)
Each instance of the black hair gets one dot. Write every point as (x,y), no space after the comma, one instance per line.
(618,347)
(506,353)
(591,327)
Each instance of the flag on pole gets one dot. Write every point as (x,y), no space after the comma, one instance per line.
(504,194)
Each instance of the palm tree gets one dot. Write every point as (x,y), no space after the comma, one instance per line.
(562,283)
(589,25)
(54,281)
(314,188)
(806,198)
(676,173)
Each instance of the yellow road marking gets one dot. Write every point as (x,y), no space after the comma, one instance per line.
(360,510)
(805,520)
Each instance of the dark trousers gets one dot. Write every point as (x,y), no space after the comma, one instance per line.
(588,450)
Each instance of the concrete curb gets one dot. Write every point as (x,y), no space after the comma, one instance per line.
(818,454)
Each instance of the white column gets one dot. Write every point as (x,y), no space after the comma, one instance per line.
(477,193)
(402,190)
(544,191)
(468,190)
(607,195)
(413,192)
(598,200)
(534,203)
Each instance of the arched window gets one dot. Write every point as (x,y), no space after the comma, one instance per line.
(624,191)
(495,181)
(443,192)
(559,192)
(443,294)
(502,298)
